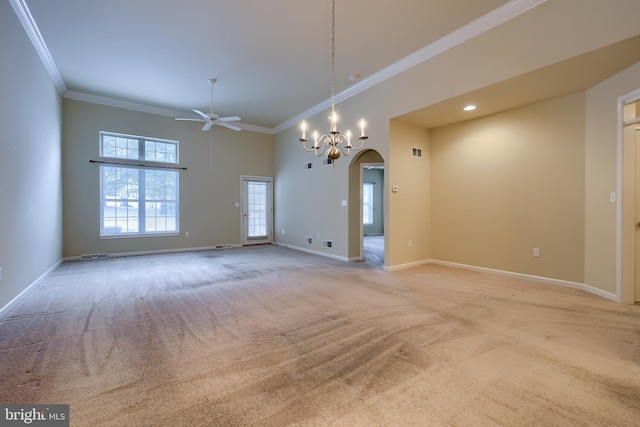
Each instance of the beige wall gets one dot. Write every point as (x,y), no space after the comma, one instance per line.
(209,188)
(30,162)
(511,182)
(601,179)
(409,220)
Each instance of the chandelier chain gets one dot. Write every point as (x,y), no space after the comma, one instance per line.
(333,55)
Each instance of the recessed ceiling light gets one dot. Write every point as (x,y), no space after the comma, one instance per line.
(470,107)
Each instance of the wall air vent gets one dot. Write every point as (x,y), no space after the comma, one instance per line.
(327,243)
(308,240)
(416,152)
(226,246)
(91,257)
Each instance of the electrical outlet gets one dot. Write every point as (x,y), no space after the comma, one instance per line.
(536,252)
(283,231)
(186,234)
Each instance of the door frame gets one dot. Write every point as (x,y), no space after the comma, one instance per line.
(243,200)
(361,230)
(625,209)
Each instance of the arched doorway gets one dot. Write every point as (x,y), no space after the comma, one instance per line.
(367,170)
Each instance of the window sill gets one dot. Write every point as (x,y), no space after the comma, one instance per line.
(133,236)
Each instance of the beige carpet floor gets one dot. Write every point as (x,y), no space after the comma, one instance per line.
(267,336)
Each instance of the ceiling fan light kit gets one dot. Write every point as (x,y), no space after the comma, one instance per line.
(212,119)
(334,142)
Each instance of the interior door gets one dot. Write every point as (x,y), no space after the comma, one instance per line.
(257,210)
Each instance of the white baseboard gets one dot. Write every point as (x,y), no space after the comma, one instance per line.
(35,282)
(547,280)
(407,265)
(564,283)
(603,294)
(311,251)
(155,252)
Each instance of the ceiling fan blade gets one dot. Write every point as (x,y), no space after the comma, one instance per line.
(200,113)
(207,126)
(230,119)
(227,125)
(189,120)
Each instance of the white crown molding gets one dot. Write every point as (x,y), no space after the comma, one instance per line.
(118,103)
(30,27)
(473,29)
(112,102)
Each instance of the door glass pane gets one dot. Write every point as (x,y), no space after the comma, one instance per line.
(257,210)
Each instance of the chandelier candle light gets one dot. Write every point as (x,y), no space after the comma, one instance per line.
(334,142)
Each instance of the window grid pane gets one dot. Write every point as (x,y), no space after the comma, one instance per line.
(119,147)
(157,151)
(160,216)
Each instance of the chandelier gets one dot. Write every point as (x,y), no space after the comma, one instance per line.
(334,142)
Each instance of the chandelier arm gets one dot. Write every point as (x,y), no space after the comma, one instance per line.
(317,148)
(345,145)
(322,144)
(362,140)
(313,148)
(307,149)
(345,149)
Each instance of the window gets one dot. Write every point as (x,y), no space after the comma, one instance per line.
(367,203)
(138,199)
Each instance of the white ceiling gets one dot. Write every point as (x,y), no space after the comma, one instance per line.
(271,58)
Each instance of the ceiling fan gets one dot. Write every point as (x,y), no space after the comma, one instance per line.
(212,119)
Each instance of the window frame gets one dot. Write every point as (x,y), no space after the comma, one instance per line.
(142,166)
(369,203)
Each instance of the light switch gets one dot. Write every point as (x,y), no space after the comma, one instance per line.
(394,188)
(612,197)
(344,203)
